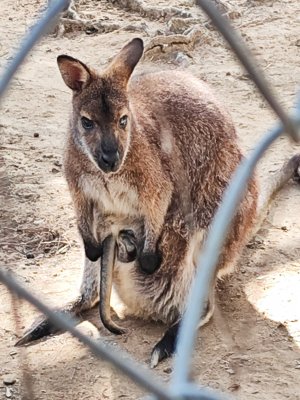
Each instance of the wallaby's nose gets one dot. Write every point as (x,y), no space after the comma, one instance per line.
(110,159)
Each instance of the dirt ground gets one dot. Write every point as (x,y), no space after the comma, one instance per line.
(251,347)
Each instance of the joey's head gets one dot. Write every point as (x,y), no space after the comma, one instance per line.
(101,124)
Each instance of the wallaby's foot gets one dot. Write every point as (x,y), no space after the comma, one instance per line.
(150,262)
(166,346)
(42,326)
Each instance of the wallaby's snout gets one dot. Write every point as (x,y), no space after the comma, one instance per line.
(108,156)
(101,112)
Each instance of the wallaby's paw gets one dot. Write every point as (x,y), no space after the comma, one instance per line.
(92,252)
(149,262)
(165,348)
(39,329)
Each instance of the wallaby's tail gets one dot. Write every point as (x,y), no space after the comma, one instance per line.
(291,169)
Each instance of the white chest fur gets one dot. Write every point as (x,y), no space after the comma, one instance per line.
(115,197)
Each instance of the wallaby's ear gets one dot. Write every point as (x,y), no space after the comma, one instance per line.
(75,74)
(125,61)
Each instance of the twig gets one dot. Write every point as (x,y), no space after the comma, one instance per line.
(165,42)
(150,12)
(92,26)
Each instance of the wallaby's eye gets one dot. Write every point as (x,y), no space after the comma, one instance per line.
(87,123)
(123,122)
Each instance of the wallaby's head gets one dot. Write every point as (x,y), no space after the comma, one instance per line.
(101,109)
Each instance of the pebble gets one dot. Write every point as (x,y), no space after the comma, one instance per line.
(180,59)
(36,135)
(57,163)
(9,379)
(7,393)
(230,371)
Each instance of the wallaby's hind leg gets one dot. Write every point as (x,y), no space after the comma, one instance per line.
(88,297)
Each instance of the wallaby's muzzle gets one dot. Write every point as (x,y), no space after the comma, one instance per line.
(109,161)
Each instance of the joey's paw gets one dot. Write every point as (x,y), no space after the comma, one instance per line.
(149,262)
(165,348)
(126,246)
(92,251)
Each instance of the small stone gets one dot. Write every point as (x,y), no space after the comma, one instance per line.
(29,256)
(55,171)
(230,371)
(234,387)
(297,43)
(36,135)
(7,393)
(57,163)
(168,370)
(182,59)
(9,379)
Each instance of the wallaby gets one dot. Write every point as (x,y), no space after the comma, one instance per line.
(147,162)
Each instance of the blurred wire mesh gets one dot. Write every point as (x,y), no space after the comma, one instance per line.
(180,386)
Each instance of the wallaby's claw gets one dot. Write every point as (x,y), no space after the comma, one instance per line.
(37,331)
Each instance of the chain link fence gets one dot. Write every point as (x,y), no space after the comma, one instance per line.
(180,387)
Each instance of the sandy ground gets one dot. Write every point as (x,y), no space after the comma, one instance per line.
(251,347)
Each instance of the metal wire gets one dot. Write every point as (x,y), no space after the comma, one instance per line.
(179,388)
